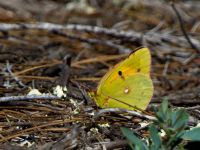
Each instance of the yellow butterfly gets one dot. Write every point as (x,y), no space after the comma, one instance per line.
(128,85)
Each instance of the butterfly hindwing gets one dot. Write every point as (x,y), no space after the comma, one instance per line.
(134,91)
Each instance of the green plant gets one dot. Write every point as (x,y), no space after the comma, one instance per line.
(174,125)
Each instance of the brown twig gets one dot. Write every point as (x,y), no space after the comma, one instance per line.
(183,29)
(65,71)
(128,36)
(86,98)
(116,144)
(120,110)
(8,68)
(189,97)
(109,43)
(37,67)
(32,129)
(36,104)
(28,97)
(68,141)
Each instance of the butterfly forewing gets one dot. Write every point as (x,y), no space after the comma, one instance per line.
(138,62)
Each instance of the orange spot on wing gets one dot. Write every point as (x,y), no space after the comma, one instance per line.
(128,71)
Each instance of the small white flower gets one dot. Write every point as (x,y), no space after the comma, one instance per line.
(94,130)
(34,92)
(82,6)
(75,111)
(26,143)
(143,124)
(73,102)
(162,133)
(91,114)
(60,91)
(104,125)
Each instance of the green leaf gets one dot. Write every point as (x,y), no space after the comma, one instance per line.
(164,106)
(175,139)
(192,135)
(134,140)
(179,119)
(162,113)
(156,141)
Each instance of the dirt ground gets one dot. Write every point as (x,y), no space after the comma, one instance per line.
(48,43)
